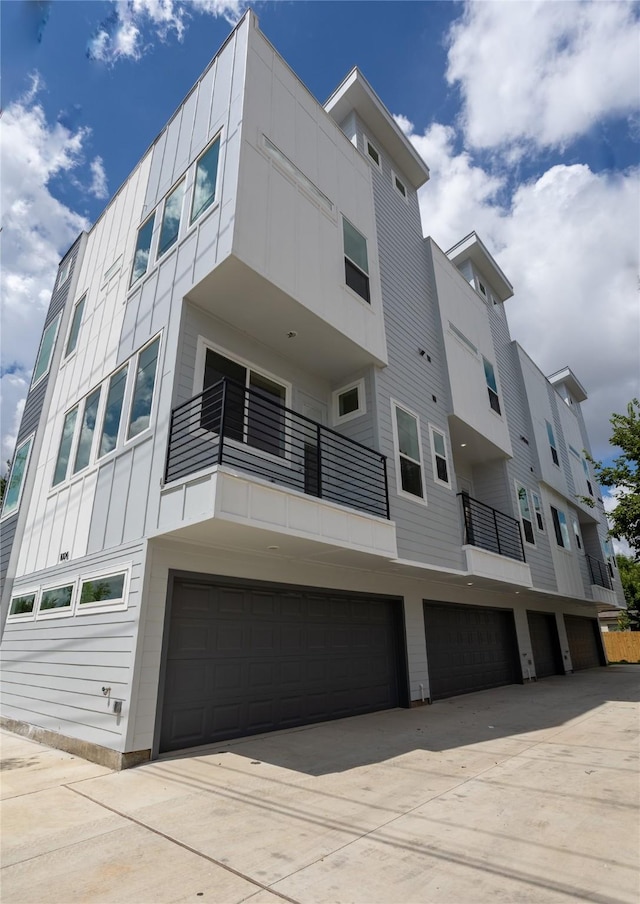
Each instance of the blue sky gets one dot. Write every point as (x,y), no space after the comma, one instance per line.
(527,114)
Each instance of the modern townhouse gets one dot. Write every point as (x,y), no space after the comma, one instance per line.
(281,461)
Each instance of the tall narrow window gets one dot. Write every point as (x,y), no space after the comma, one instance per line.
(113,412)
(399,185)
(63,273)
(525,513)
(15,482)
(143,390)
(407,435)
(143,248)
(439,452)
(204,192)
(560,528)
(43,361)
(492,386)
(537,507)
(356,262)
(576,532)
(64,451)
(171,219)
(552,444)
(76,320)
(85,443)
(585,468)
(373,152)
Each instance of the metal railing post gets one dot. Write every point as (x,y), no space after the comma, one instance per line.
(168,457)
(319,468)
(495,525)
(386,485)
(222,414)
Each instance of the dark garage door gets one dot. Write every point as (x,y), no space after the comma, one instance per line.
(247,659)
(469,648)
(583,635)
(545,644)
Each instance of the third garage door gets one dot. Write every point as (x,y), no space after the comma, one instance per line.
(469,648)
(250,658)
(583,635)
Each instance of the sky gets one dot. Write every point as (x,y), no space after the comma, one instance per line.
(527,113)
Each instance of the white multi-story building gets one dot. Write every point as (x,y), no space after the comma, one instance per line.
(281,461)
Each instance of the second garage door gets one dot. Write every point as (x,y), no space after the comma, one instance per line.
(469,648)
(545,645)
(243,659)
(583,635)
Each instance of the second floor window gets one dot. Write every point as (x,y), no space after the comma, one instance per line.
(525,513)
(356,262)
(552,444)
(409,452)
(204,193)
(171,219)
(492,386)
(560,528)
(143,249)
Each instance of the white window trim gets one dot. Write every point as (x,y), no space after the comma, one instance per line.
(191,223)
(163,204)
(396,445)
(567,549)
(63,274)
(57,320)
(118,605)
(362,402)
(68,611)
(367,141)
(103,410)
(14,511)
(79,422)
(534,496)
(366,272)
(395,176)
(127,402)
(66,356)
(532,521)
(151,261)
(24,616)
(436,479)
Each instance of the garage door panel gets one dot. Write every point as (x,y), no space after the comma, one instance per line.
(583,636)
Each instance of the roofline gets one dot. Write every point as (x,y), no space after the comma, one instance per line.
(567,376)
(472,242)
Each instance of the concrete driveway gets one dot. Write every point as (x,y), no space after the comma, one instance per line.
(522,794)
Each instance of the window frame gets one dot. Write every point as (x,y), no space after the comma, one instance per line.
(405,494)
(56,320)
(349,260)
(134,280)
(79,305)
(72,446)
(369,144)
(162,252)
(75,470)
(494,394)
(130,390)
(558,524)
(64,273)
(24,616)
(19,446)
(551,438)
(521,516)
(395,180)
(338,418)
(216,191)
(103,412)
(537,511)
(435,455)
(113,605)
(60,611)
(575,524)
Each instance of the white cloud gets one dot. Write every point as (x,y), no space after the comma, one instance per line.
(98,187)
(129,29)
(543,72)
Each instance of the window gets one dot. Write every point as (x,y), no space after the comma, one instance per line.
(537,508)
(349,402)
(525,513)
(552,444)
(204,192)
(142,401)
(256,417)
(560,528)
(64,273)
(585,468)
(373,153)
(113,412)
(409,453)
(15,481)
(22,606)
(482,288)
(103,591)
(85,443)
(46,351)
(143,248)
(492,386)
(171,219)
(56,599)
(64,450)
(399,185)
(576,532)
(356,262)
(439,453)
(74,331)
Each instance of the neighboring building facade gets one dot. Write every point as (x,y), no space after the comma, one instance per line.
(281,461)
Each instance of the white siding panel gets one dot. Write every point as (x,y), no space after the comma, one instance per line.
(182,155)
(203,109)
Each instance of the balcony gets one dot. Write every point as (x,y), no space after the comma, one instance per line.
(493,543)
(599,572)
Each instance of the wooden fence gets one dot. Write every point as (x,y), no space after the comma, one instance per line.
(622,645)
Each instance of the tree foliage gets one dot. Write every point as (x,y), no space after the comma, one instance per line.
(629,570)
(624,475)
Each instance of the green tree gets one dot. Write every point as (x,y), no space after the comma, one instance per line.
(3,481)
(624,474)
(629,570)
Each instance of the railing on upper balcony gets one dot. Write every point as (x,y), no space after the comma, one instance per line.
(599,572)
(490,529)
(251,431)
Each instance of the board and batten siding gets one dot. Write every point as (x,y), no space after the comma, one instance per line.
(54,669)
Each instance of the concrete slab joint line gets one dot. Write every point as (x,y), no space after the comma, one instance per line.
(486,797)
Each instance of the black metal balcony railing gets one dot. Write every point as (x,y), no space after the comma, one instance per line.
(252,431)
(490,529)
(599,572)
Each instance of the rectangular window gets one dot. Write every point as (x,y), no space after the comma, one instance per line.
(585,468)
(356,262)
(552,444)
(142,401)
(525,513)
(64,273)
(537,507)
(373,153)
(45,351)
(143,249)
(399,186)
(103,590)
(113,412)
(15,481)
(440,460)
(22,605)
(74,331)
(492,386)
(85,443)
(204,192)
(576,532)
(64,451)
(171,219)
(349,402)
(560,528)
(56,599)
(409,453)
